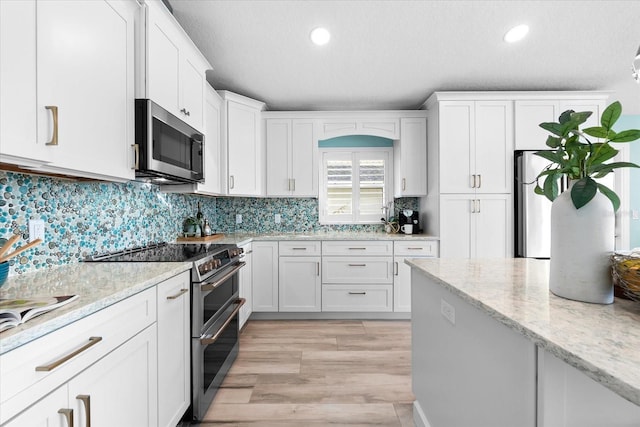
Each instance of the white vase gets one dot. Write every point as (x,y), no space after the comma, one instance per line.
(582,240)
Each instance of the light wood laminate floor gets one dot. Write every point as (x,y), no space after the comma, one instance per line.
(318,373)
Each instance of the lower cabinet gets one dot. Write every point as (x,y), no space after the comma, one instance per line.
(299,276)
(265,276)
(118,390)
(174,343)
(357,297)
(246,282)
(402,272)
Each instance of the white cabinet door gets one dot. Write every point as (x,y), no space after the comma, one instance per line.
(300,287)
(457,137)
(245,276)
(401,285)
(244,149)
(278,153)
(46,412)
(476,226)
(192,85)
(87,72)
(121,387)
(493,148)
(213,164)
(291,153)
(528,116)
(492,226)
(18,140)
(265,276)
(410,158)
(174,342)
(455,226)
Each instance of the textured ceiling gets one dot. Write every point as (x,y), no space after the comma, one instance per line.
(394,54)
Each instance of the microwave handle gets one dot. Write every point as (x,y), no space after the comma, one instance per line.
(136,156)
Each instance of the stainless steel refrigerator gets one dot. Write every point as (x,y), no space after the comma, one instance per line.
(532,211)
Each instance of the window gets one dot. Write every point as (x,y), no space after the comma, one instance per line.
(355,185)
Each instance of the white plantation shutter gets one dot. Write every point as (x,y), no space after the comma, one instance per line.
(354,185)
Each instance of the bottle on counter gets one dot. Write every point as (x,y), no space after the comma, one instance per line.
(206,229)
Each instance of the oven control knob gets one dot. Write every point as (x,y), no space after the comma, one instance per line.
(217,263)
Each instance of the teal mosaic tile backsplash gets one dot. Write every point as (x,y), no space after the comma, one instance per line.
(86,218)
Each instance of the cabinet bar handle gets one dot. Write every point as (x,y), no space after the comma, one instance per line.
(231,182)
(414,249)
(136,156)
(357,265)
(50,367)
(357,293)
(357,249)
(404,184)
(288,184)
(473,181)
(182,292)
(479,181)
(478,200)
(293,181)
(473,206)
(299,249)
(395,268)
(86,400)
(68,414)
(318,268)
(54,113)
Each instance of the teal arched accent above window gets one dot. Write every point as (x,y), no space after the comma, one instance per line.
(351,141)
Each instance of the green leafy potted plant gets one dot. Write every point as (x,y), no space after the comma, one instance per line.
(582,219)
(575,156)
(190,226)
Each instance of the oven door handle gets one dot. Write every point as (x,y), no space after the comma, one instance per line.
(213,338)
(211,286)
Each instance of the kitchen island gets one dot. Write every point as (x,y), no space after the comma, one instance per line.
(491,346)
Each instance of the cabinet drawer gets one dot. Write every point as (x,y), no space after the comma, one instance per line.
(357,298)
(300,248)
(357,270)
(22,384)
(424,248)
(357,248)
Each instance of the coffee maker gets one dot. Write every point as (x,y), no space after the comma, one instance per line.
(408,216)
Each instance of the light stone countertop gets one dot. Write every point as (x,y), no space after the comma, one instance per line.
(98,285)
(243,238)
(603,341)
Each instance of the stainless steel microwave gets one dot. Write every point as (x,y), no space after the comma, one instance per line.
(168,150)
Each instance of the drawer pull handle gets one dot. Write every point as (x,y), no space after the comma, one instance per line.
(54,113)
(86,400)
(50,367)
(357,265)
(68,414)
(176,296)
(299,249)
(415,249)
(357,249)
(357,293)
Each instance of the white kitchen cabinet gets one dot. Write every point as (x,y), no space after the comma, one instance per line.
(476,226)
(175,68)
(529,113)
(245,277)
(359,298)
(402,272)
(291,153)
(242,136)
(300,286)
(364,124)
(53,410)
(174,343)
(265,276)
(115,364)
(410,158)
(476,146)
(76,134)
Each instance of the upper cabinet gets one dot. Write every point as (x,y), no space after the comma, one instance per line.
(67,96)
(370,123)
(242,137)
(174,73)
(529,113)
(291,154)
(476,146)
(410,158)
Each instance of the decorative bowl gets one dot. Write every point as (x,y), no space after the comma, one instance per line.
(4,272)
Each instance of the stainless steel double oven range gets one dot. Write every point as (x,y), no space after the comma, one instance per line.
(215,304)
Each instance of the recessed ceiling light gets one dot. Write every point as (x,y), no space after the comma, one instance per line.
(517,33)
(320,36)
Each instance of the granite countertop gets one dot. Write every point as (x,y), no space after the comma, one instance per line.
(603,341)
(98,285)
(243,238)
